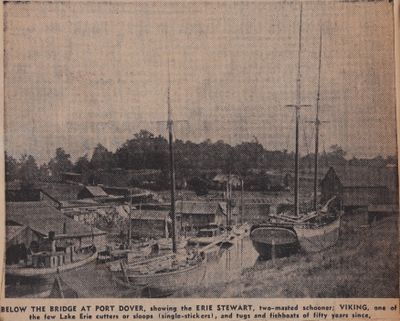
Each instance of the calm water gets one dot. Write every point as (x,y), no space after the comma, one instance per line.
(95,280)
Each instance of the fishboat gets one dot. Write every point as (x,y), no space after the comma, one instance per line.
(44,269)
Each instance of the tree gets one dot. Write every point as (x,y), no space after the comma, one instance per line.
(11,167)
(144,151)
(336,155)
(82,165)
(60,163)
(337,151)
(102,158)
(28,170)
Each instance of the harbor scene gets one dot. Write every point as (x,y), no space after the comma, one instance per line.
(170,175)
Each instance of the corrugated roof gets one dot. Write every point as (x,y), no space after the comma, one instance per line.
(43,218)
(362,176)
(193,207)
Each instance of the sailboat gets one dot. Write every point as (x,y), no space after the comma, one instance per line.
(312,231)
(171,272)
(322,227)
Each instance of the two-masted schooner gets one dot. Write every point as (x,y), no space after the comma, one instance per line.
(312,231)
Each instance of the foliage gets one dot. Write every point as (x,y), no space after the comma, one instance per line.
(60,163)
(147,152)
(28,170)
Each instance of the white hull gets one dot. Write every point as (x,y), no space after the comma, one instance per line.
(319,237)
(191,275)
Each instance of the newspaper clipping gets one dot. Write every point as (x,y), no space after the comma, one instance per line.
(230,160)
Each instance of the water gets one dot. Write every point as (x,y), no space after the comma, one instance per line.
(95,280)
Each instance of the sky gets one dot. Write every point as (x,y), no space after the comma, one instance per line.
(78,74)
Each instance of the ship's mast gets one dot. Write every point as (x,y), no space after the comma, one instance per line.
(170,125)
(298,101)
(298,107)
(317,123)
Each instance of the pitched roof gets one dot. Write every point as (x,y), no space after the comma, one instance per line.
(195,207)
(13,230)
(362,176)
(96,191)
(43,218)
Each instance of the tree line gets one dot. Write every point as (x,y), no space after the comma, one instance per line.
(146,151)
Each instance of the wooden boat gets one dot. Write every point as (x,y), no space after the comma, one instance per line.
(317,237)
(315,230)
(171,272)
(29,272)
(322,229)
(274,240)
(167,274)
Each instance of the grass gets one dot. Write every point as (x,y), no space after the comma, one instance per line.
(364,263)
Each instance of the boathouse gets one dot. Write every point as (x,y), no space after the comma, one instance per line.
(360,186)
(197,214)
(150,223)
(44,220)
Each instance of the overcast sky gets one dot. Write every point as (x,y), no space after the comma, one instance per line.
(81,73)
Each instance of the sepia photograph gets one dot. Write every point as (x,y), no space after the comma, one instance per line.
(228,149)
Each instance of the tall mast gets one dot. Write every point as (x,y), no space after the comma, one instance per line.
(298,101)
(170,125)
(317,123)
(298,107)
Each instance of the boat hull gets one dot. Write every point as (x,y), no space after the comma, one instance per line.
(168,282)
(30,272)
(37,282)
(318,238)
(269,240)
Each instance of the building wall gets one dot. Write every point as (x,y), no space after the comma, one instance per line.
(364,196)
(199,220)
(145,228)
(255,211)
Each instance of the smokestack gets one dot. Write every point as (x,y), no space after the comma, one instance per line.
(65,228)
(52,240)
(52,235)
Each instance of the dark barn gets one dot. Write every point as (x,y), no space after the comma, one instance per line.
(360,186)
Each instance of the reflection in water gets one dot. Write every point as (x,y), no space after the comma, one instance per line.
(95,280)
